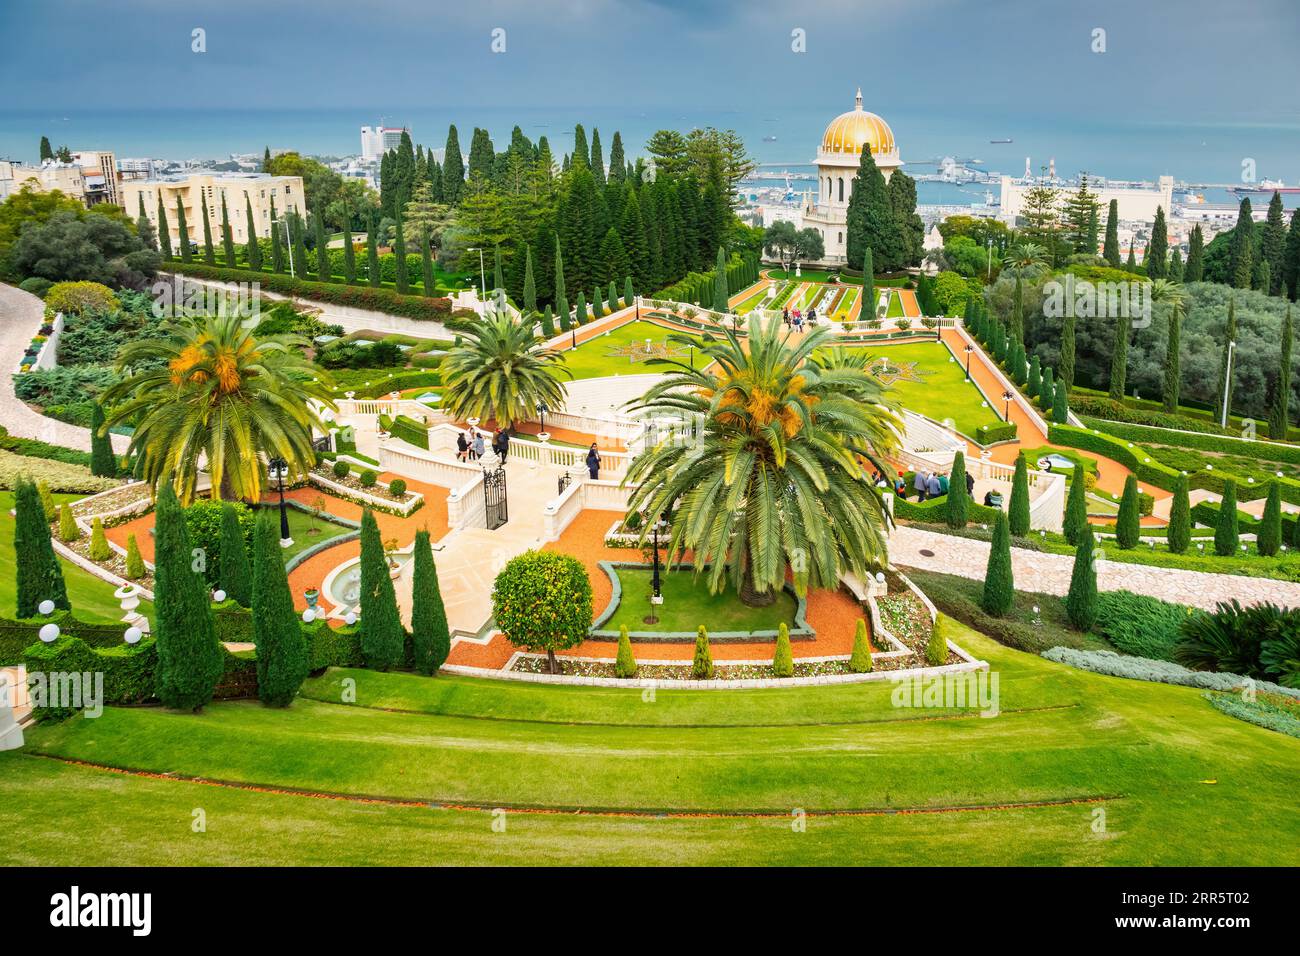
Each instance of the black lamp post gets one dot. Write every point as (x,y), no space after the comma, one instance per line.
(542,410)
(656,597)
(1006,412)
(968,349)
(279,466)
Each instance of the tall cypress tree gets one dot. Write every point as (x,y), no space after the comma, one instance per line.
(560,289)
(1223,384)
(324,271)
(1065,368)
(382,638)
(1272,246)
(1175,265)
(1158,247)
(1241,248)
(227,237)
(430,636)
(617,161)
(1128,524)
(999,579)
(282,660)
(498,279)
(253,251)
(183,230)
(1081,601)
(164,231)
(1076,509)
(1018,509)
(530,284)
(1119,359)
(720,297)
(957,507)
(1269,536)
(349,252)
(1110,249)
(1017,327)
(1194,271)
(299,248)
(1173,360)
(597,158)
(373,272)
(1131,263)
(453,168)
(189,657)
(209,252)
(868,286)
(1279,421)
(234,575)
(426,264)
(102,460)
(1060,405)
(1291,260)
(277,251)
(1179,533)
(39,576)
(1226,537)
(399,256)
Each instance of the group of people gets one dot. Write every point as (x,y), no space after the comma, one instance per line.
(472,447)
(796,319)
(929,484)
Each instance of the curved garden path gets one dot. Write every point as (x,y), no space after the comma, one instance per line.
(21,314)
(1050,573)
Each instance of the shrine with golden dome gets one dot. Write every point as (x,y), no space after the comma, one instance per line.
(837,162)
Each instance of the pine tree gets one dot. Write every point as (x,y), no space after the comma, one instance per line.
(253,251)
(1179,533)
(1175,265)
(702,664)
(1158,248)
(999,580)
(164,231)
(47,151)
(957,507)
(783,656)
(1226,536)
(39,575)
(209,253)
(373,272)
(428,286)
(860,659)
(1128,525)
(1018,516)
(530,285)
(1119,359)
(227,237)
(1194,271)
(1076,508)
(1268,537)
(597,158)
(1241,249)
(382,638)
(1272,247)
(869,219)
(189,657)
(135,568)
(1081,601)
(184,231)
(430,636)
(324,270)
(625,663)
(1131,263)
(453,168)
(234,575)
(1279,420)
(1291,259)
(282,657)
(1110,249)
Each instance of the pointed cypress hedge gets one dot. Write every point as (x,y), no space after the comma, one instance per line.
(936,648)
(1226,537)
(860,659)
(783,658)
(281,645)
(1018,516)
(957,507)
(47,500)
(1179,534)
(383,642)
(102,461)
(68,530)
(1081,601)
(1076,509)
(39,575)
(135,568)
(99,549)
(999,581)
(189,657)
(702,665)
(234,574)
(1128,525)
(1060,404)
(1047,393)
(430,636)
(625,664)
(1268,537)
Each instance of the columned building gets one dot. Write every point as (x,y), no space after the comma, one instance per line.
(837,163)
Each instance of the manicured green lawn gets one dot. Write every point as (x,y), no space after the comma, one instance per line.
(1162,778)
(300,529)
(617,352)
(942,391)
(90,596)
(895,309)
(688,604)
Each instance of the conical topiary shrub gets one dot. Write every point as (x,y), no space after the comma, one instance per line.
(957,506)
(936,647)
(282,653)
(860,659)
(37,569)
(1179,533)
(1018,509)
(783,658)
(68,530)
(1226,537)
(1269,536)
(1128,526)
(1081,601)
(999,581)
(47,500)
(135,568)
(99,549)
(702,665)
(625,663)
(430,635)
(1076,508)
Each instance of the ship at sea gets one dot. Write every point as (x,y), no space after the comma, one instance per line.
(1266,186)
(1001,141)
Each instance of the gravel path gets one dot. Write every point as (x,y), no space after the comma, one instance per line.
(20,319)
(1050,573)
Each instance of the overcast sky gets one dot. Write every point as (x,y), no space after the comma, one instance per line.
(1212,60)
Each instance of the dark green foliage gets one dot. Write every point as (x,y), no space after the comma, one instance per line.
(702,664)
(430,636)
(102,460)
(281,646)
(957,509)
(999,581)
(1139,625)
(382,638)
(39,575)
(1060,404)
(543,602)
(1279,418)
(253,249)
(936,648)
(1226,537)
(1076,510)
(1227,639)
(1268,537)
(1179,534)
(1110,250)
(1119,356)
(1128,525)
(189,657)
(235,576)
(1157,254)
(1018,509)
(1081,601)
(341,469)
(1047,393)
(184,231)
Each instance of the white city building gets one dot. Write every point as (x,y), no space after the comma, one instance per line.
(377,140)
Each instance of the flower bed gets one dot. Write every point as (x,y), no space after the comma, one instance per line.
(377,496)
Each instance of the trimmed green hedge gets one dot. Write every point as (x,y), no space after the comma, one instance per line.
(1099,406)
(1200,441)
(990,434)
(335,293)
(1207,513)
(17,635)
(31,448)
(933,511)
(409,430)
(333,647)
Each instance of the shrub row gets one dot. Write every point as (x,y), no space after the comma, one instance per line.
(31,448)
(17,635)
(934,510)
(1112,411)
(1164,672)
(409,430)
(990,434)
(334,293)
(1200,441)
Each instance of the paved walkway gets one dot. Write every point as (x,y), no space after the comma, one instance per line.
(21,314)
(1050,573)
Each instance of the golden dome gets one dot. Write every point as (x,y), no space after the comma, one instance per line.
(849,132)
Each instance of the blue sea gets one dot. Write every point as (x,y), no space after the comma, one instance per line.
(1210,152)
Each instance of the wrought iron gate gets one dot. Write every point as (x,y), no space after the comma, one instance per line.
(495,504)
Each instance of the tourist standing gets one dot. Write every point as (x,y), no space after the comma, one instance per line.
(921,484)
(785,315)
(593,462)
(462,447)
(932,486)
(501,444)
(970,484)
(478,447)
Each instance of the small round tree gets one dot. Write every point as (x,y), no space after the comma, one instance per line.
(542,602)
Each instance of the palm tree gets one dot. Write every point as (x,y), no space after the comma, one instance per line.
(1024,256)
(210,393)
(501,371)
(1163,290)
(773,480)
